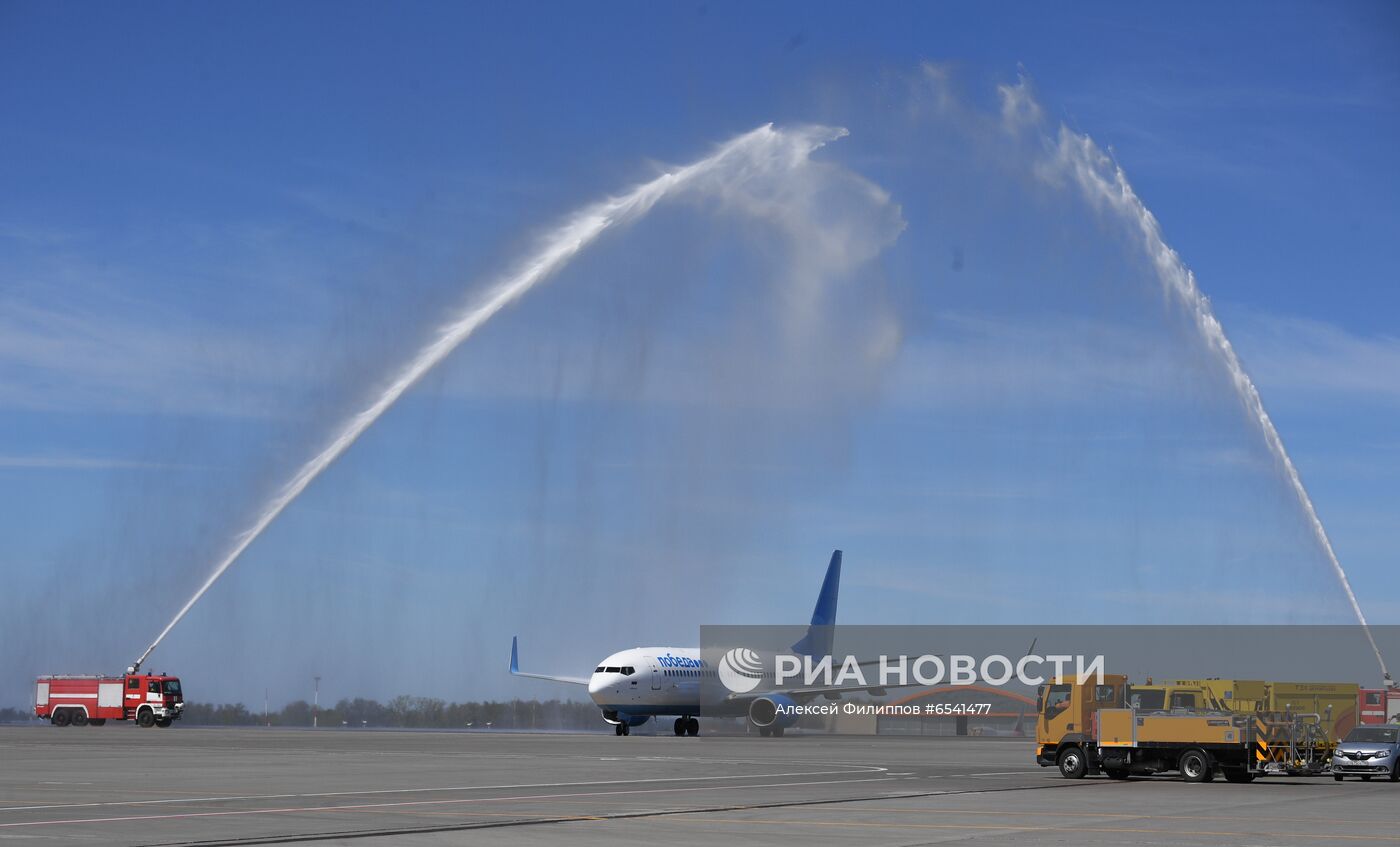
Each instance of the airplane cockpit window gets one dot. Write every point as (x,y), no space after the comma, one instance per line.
(598,669)
(628,670)
(611,669)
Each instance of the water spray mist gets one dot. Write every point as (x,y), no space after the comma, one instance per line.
(764,150)
(1105,185)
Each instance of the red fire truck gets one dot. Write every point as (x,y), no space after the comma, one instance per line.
(150,699)
(1378,705)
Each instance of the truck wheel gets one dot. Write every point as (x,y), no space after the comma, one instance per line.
(1073,763)
(1116,773)
(146,719)
(79,718)
(164,723)
(61,718)
(1195,766)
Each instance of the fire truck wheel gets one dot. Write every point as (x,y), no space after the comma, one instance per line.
(163,723)
(97,721)
(146,719)
(79,718)
(61,717)
(1073,763)
(1195,766)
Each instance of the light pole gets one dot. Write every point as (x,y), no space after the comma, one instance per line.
(316,702)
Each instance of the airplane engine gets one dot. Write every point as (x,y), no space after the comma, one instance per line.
(773,711)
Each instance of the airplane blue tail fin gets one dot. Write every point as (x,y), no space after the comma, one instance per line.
(817,641)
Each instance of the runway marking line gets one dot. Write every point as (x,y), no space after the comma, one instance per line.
(405,803)
(1122,815)
(689,818)
(377,791)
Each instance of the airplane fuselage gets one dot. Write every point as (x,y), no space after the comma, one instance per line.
(649,682)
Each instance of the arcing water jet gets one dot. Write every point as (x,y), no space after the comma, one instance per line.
(762,152)
(1105,185)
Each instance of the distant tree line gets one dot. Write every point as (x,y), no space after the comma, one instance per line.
(406,711)
(402,711)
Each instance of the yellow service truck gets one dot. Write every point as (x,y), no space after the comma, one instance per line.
(1334,703)
(1090,727)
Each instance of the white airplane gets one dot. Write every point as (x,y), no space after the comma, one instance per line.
(633,686)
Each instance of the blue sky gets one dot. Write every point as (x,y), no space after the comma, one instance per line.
(220,228)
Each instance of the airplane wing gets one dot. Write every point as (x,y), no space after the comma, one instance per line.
(516,671)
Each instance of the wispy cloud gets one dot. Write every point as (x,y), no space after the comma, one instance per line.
(1302,356)
(76,359)
(1137,605)
(83,463)
(974,359)
(967,359)
(35,236)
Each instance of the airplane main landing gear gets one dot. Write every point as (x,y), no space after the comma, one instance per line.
(687,726)
(623,729)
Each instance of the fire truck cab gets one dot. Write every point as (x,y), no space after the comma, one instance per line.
(1378,705)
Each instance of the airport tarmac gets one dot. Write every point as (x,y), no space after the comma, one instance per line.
(120,785)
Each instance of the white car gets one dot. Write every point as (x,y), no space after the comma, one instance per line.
(1368,751)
